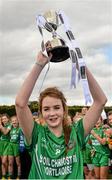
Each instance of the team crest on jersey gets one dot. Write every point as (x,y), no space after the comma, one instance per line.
(58,151)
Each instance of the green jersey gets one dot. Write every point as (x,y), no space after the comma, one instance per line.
(15,135)
(6,137)
(102,149)
(47,151)
(87,151)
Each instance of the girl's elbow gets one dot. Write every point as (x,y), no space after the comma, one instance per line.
(104,101)
(19,103)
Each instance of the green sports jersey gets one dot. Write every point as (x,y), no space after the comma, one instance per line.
(49,160)
(15,135)
(102,149)
(6,137)
(87,151)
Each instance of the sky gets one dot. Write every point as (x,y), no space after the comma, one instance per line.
(20,40)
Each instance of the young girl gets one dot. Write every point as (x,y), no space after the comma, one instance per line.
(100,158)
(56,148)
(14,148)
(5,128)
(0,149)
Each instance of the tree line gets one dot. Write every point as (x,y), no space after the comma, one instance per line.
(10,110)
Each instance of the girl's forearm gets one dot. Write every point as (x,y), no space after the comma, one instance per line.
(96,92)
(28,85)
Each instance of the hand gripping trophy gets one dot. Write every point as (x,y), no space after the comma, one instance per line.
(61,49)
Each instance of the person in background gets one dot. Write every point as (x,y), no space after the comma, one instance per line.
(84,111)
(5,128)
(109,118)
(38,119)
(69,120)
(101,152)
(14,153)
(24,158)
(86,151)
(0,149)
(109,134)
(88,166)
(77,117)
(35,115)
(55,149)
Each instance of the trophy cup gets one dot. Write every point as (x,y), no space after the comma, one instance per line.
(61,50)
(58,48)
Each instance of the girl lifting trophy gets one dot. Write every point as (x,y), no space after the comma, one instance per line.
(56,148)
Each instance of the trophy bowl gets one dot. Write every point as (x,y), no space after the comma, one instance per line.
(60,52)
(56,46)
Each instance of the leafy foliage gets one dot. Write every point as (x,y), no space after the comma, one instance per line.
(10,110)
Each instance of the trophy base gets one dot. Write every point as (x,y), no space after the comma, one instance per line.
(60,53)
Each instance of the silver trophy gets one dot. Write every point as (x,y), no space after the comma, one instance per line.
(58,48)
(62,50)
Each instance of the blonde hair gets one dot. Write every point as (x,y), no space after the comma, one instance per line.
(14,116)
(56,93)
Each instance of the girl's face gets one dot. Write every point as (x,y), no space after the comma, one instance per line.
(14,122)
(84,110)
(52,111)
(110,119)
(5,120)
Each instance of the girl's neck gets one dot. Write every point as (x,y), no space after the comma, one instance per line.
(57,131)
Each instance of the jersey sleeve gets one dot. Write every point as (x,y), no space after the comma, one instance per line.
(79,128)
(34,140)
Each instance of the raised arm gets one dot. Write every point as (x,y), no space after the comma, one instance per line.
(101,140)
(23,112)
(4,130)
(99,101)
